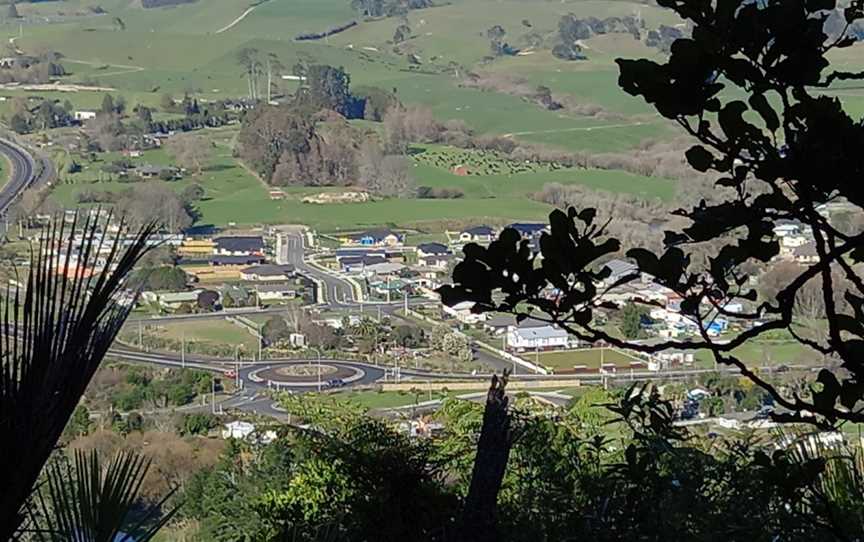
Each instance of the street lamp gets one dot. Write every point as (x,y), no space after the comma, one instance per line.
(318,352)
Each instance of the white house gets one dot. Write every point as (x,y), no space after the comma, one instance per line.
(536,338)
(246,431)
(275,292)
(238,430)
(171,300)
(84,115)
(476,234)
(435,261)
(268,272)
(462,313)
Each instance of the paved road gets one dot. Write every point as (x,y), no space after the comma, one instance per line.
(337,290)
(26,171)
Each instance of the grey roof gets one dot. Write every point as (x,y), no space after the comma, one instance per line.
(433,248)
(479,230)
(274,288)
(621,268)
(545,332)
(235,260)
(269,270)
(528,228)
(362,260)
(240,243)
(507,320)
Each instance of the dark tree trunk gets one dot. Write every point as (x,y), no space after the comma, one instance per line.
(479,521)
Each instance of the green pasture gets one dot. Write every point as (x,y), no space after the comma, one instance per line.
(178,49)
(234,195)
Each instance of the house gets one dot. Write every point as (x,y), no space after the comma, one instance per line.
(476,234)
(528,230)
(149,171)
(794,241)
(383,269)
(236,260)
(196,249)
(619,269)
(356,264)
(275,292)
(787,229)
(500,323)
(239,246)
(84,115)
(545,337)
(388,287)
(435,262)
(432,249)
(382,237)
(268,272)
(806,254)
(171,300)
(239,430)
(462,313)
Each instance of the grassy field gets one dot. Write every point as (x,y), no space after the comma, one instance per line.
(234,195)
(194,47)
(589,358)
(217,332)
(759,353)
(180,48)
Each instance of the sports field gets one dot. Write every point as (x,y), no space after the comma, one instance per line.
(216,332)
(591,358)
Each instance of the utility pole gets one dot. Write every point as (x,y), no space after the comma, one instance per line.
(318,351)
(140,335)
(213,394)
(183,349)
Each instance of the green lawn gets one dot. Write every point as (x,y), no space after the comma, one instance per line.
(209,331)
(757,353)
(590,358)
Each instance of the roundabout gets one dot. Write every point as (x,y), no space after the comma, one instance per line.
(304,375)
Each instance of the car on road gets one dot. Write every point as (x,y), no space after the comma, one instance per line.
(230,373)
(335,383)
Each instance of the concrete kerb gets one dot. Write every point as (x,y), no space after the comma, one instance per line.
(273,384)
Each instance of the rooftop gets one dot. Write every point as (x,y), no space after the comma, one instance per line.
(240,243)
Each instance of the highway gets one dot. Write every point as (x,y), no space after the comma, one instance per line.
(26,171)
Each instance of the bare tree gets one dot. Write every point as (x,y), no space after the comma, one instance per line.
(395,177)
(191,151)
(250,59)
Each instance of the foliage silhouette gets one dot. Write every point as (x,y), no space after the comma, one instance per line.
(55,332)
(782,153)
